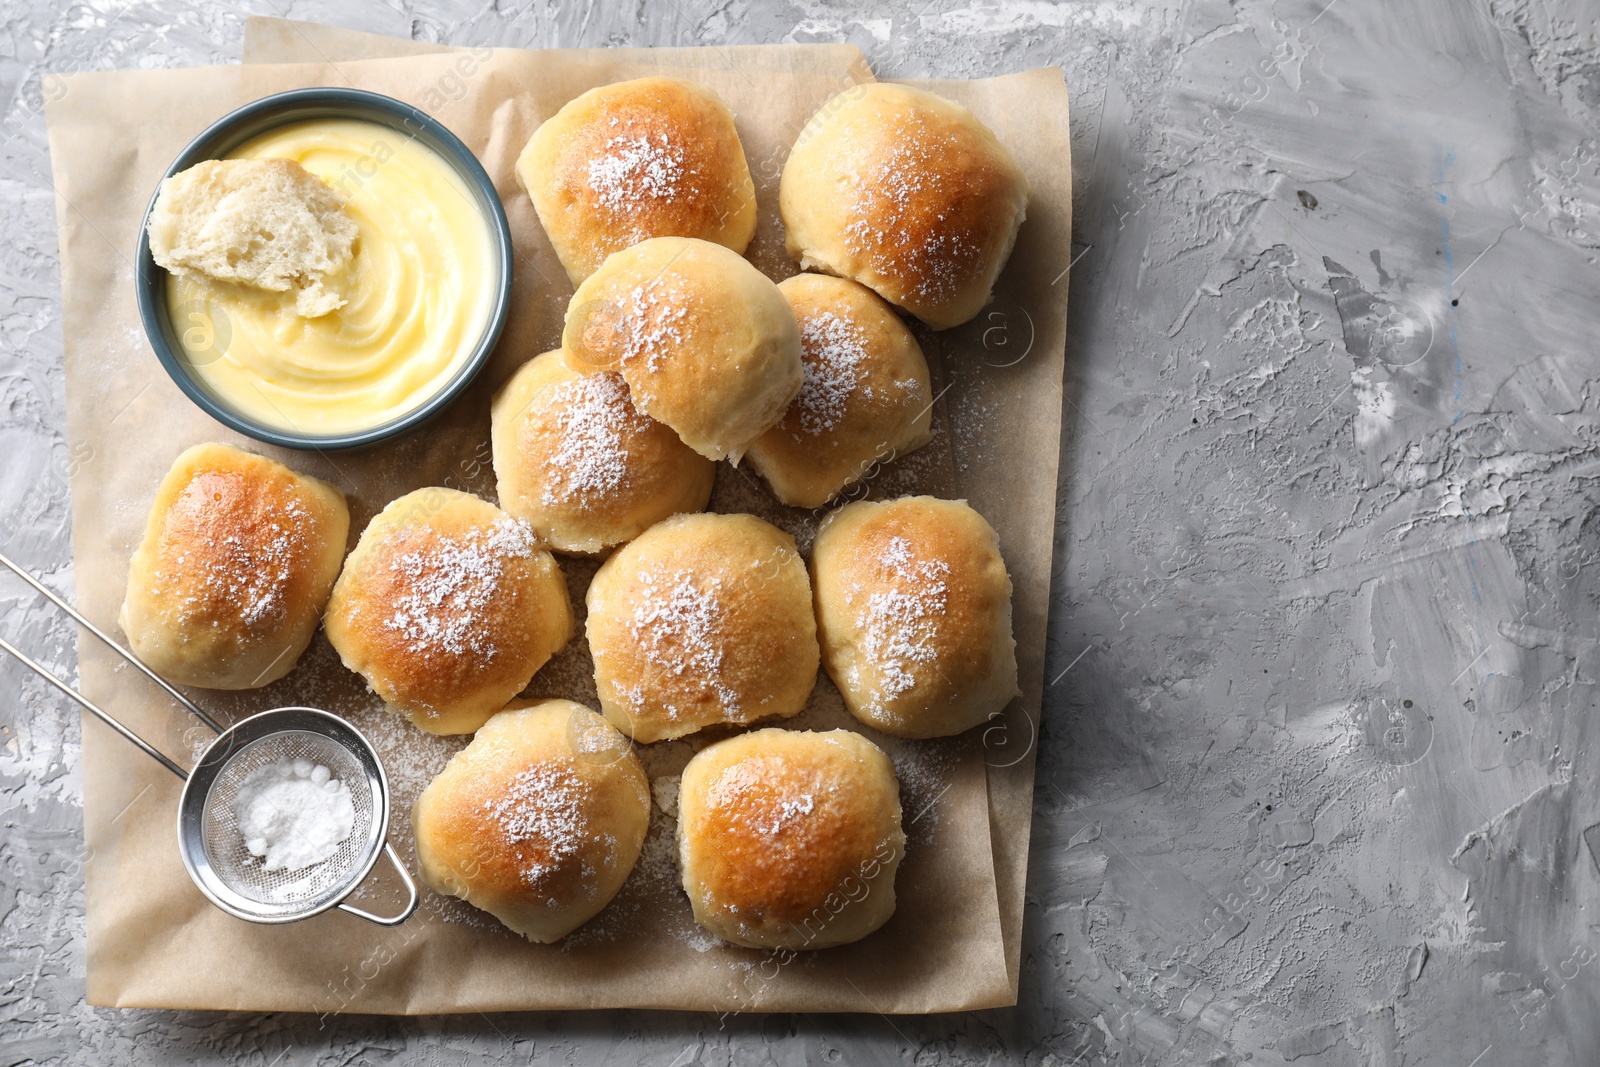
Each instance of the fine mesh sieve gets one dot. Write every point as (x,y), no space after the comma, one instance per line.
(209,841)
(224,845)
(214,850)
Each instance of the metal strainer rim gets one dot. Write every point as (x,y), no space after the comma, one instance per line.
(217,756)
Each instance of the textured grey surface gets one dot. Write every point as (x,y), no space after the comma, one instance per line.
(1316,770)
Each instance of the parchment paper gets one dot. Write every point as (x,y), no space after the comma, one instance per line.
(153,941)
(1028,316)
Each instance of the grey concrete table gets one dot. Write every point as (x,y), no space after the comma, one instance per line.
(1317,776)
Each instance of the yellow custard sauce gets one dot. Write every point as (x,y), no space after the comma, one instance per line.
(419,292)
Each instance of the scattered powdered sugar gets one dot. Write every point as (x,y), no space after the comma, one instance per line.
(569,674)
(450,582)
(636,168)
(679,625)
(745,792)
(593,737)
(788,812)
(680,613)
(835,354)
(836,364)
(664,790)
(545,806)
(648,321)
(412,758)
(293,814)
(652,898)
(596,419)
(926,772)
(244,573)
(891,197)
(698,939)
(654,316)
(899,625)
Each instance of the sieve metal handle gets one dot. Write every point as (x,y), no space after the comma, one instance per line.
(194,709)
(411,888)
(89,705)
(99,712)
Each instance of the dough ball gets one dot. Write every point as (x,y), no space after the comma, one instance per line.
(652,157)
(575,459)
(866,398)
(447,607)
(238,557)
(705,341)
(538,821)
(790,839)
(702,619)
(914,612)
(907,193)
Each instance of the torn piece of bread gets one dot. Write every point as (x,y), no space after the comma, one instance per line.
(266,223)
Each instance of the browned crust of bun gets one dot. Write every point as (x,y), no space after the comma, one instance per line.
(702,619)
(238,558)
(652,157)
(790,839)
(448,607)
(867,397)
(704,340)
(538,821)
(914,614)
(575,459)
(907,193)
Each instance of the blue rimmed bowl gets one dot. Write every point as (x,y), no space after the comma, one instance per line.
(301,105)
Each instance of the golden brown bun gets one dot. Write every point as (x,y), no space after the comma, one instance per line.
(914,612)
(790,839)
(447,607)
(705,341)
(702,619)
(538,821)
(238,557)
(576,460)
(907,193)
(866,397)
(652,157)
